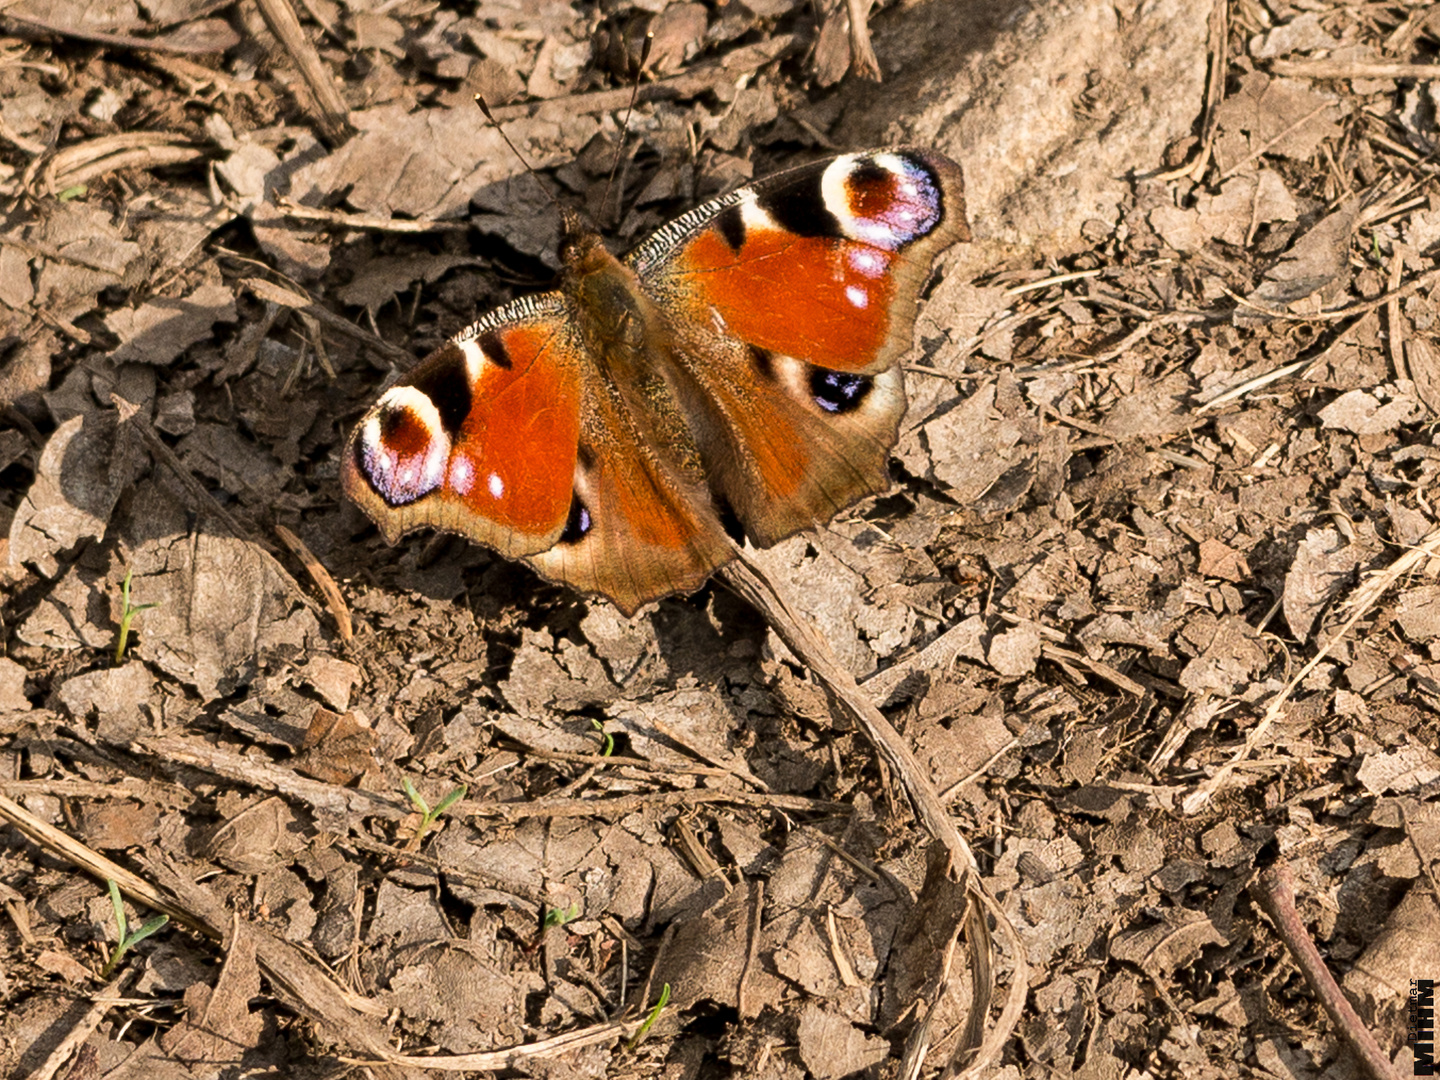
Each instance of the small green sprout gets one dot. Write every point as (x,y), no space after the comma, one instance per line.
(74,192)
(127,615)
(650,1020)
(607,741)
(428,817)
(126,939)
(561,916)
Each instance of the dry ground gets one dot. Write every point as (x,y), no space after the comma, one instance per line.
(1152,601)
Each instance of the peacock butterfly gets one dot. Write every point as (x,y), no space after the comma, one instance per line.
(739,366)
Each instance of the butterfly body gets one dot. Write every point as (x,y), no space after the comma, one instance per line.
(740,366)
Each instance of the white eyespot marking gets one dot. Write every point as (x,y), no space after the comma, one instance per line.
(885,200)
(496,486)
(462,476)
(857,296)
(866,261)
(474,358)
(403,446)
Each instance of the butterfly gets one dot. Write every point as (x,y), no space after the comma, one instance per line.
(737,373)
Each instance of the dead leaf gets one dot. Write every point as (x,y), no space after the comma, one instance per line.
(1322,568)
(338,748)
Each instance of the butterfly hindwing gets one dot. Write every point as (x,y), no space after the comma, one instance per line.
(791,303)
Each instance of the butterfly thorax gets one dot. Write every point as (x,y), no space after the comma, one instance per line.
(629,342)
(617,320)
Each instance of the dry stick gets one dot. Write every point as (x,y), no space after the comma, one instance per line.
(1414,285)
(334,117)
(201,499)
(308,988)
(334,600)
(863,62)
(1361,601)
(1274,891)
(1394,324)
(84,1027)
(749,581)
(84,161)
(513,1057)
(338,219)
(752,947)
(299,302)
(1348,69)
(1217,45)
(31,23)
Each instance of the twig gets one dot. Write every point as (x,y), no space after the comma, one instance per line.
(1360,601)
(748,580)
(84,1027)
(1351,69)
(338,219)
(333,118)
(334,599)
(1338,313)
(1274,891)
(863,62)
(289,298)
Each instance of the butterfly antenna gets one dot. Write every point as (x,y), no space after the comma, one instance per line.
(629,109)
(484,108)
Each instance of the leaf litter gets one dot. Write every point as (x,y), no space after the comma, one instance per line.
(1152,594)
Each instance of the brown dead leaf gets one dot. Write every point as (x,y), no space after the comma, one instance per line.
(258,838)
(1014,652)
(117,695)
(114,826)
(1406,948)
(339,748)
(1220,560)
(1276,116)
(1365,413)
(1322,568)
(66,966)
(1311,274)
(832,1047)
(1243,204)
(1166,947)
(218,1026)
(1418,613)
(160,330)
(973,445)
(1230,654)
(1405,769)
(80,476)
(924,939)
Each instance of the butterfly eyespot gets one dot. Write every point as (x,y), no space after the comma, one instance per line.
(839,391)
(402,448)
(888,200)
